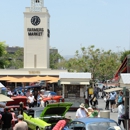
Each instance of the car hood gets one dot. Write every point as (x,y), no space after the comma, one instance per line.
(56,109)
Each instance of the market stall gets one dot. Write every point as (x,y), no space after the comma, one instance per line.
(74,86)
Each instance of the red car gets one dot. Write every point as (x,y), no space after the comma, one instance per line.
(49,97)
(52,97)
(17,100)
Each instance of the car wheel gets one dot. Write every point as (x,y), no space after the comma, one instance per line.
(37,128)
(46,103)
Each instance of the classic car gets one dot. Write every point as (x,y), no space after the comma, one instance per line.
(16,101)
(44,118)
(93,124)
(52,97)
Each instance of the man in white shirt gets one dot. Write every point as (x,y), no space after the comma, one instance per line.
(82,111)
(121,112)
(31,100)
(9,93)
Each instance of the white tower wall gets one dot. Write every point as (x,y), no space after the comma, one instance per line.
(36,45)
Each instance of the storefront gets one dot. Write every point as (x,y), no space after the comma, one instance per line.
(74,87)
(125,85)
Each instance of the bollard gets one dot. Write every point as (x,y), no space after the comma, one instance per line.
(105,114)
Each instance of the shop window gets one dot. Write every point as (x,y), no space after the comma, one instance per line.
(72,91)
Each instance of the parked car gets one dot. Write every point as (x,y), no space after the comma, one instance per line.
(40,118)
(93,124)
(16,101)
(51,97)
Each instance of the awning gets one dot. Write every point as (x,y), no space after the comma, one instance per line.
(4,98)
(76,83)
(113,89)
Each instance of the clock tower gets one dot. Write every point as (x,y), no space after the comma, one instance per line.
(36,36)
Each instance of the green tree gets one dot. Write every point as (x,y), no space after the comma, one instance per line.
(3,58)
(102,64)
(108,65)
(124,54)
(16,59)
(54,60)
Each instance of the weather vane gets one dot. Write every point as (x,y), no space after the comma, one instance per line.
(36,5)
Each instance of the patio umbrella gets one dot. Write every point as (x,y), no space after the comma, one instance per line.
(37,78)
(4,98)
(44,78)
(7,78)
(1,85)
(53,81)
(22,80)
(50,78)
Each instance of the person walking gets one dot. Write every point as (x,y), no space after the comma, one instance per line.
(14,120)
(38,99)
(31,100)
(82,111)
(61,124)
(107,101)
(120,98)
(6,120)
(112,100)
(121,112)
(93,101)
(20,109)
(21,125)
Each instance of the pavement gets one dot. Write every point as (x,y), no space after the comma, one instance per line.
(101,107)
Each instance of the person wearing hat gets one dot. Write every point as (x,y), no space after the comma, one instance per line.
(21,125)
(61,124)
(90,110)
(82,111)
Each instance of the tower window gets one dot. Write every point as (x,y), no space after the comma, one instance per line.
(37,1)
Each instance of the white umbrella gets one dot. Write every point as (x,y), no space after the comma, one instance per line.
(1,85)
(4,98)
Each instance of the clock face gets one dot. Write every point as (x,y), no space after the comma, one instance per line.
(35,20)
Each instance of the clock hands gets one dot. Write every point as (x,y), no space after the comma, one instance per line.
(35,20)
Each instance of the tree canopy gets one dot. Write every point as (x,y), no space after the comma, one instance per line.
(102,64)
(3,52)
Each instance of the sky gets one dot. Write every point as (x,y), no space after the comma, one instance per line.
(73,24)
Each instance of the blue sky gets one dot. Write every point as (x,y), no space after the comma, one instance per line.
(73,23)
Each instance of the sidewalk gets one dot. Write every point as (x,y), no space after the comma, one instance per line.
(101,106)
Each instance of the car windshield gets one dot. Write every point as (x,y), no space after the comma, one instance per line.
(38,113)
(103,126)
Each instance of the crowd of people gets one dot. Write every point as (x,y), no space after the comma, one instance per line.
(34,98)
(81,112)
(115,103)
(9,120)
